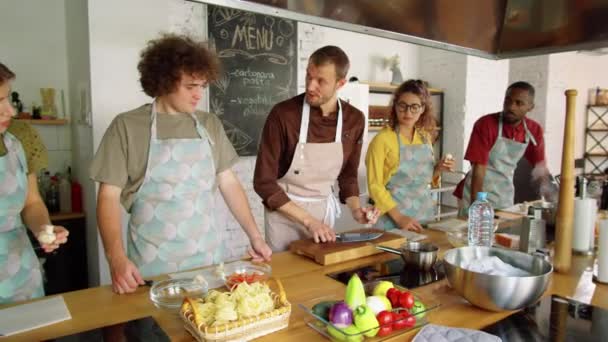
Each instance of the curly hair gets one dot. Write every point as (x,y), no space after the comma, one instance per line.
(164,60)
(5,74)
(426,121)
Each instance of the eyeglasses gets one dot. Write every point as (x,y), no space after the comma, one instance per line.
(414,108)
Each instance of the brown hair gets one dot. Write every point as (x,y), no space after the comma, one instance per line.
(164,60)
(5,74)
(426,121)
(334,55)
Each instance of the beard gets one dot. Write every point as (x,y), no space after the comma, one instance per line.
(510,118)
(317,100)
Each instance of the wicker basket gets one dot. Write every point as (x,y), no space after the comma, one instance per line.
(245,329)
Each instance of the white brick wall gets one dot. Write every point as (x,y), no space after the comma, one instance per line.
(365,52)
(486,82)
(534,70)
(447,70)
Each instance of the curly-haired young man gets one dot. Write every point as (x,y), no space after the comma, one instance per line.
(163,162)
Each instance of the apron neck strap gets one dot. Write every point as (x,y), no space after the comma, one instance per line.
(306,120)
(529,137)
(198,126)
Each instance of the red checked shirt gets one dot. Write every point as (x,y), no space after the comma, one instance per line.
(485,133)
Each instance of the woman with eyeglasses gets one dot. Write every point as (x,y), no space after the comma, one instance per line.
(400,161)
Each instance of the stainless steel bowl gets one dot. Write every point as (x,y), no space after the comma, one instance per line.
(420,255)
(496,292)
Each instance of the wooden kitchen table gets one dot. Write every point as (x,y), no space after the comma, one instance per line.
(304,280)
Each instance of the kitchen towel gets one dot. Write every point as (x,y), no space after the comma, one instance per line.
(585,212)
(33,315)
(440,333)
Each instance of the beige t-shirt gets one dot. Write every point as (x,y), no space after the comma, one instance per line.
(122,156)
(35,151)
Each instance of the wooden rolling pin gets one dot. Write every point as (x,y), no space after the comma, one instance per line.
(565,207)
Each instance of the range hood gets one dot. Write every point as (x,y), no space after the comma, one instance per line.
(493,29)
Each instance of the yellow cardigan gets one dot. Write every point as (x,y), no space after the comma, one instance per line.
(382,161)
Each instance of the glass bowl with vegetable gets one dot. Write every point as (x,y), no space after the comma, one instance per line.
(245,271)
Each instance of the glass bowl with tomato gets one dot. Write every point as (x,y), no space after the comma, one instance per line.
(408,310)
(245,271)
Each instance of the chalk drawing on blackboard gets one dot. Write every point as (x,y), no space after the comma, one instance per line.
(284,91)
(224,34)
(286,28)
(238,137)
(217,107)
(272,57)
(269,21)
(222,15)
(248,18)
(222,83)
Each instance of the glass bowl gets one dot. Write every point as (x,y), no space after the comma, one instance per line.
(170,293)
(250,272)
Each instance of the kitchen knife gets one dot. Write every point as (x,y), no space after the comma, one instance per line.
(357,237)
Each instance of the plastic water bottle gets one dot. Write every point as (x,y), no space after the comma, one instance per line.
(481,221)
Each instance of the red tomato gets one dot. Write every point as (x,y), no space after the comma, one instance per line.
(385,331)
(400,320)
(406,300)
(410,321)
(385,318)
(391,290)
(393,297)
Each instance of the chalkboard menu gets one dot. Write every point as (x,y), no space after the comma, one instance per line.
(258,56)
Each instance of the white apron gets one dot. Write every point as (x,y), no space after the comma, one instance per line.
(308,183)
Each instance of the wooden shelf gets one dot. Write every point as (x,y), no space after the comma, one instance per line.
(597,129)
(596,154)
(54,122)
(65,216)
(376,87)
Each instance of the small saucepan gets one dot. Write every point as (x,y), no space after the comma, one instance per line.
(420,255)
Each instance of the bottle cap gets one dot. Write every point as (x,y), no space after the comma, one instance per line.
(482,195)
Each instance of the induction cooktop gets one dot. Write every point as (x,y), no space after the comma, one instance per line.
(138,330)
(394,271)
(554,318)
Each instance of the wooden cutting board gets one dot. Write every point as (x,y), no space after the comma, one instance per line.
(335,252)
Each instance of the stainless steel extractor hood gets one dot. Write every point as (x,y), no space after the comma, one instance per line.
(488,28)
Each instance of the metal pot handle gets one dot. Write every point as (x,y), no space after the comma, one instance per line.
(389,249)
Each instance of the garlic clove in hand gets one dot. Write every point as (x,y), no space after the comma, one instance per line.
(47,236)
(449,156)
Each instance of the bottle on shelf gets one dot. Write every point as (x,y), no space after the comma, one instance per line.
(65,194)
(76,193)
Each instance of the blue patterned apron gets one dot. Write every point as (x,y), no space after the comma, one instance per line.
(20,275)
(410,185)
(172,225)
(498,182)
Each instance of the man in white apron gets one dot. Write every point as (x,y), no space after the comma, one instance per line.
(163,162)
(21,207)
(308,143)
(497,143)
